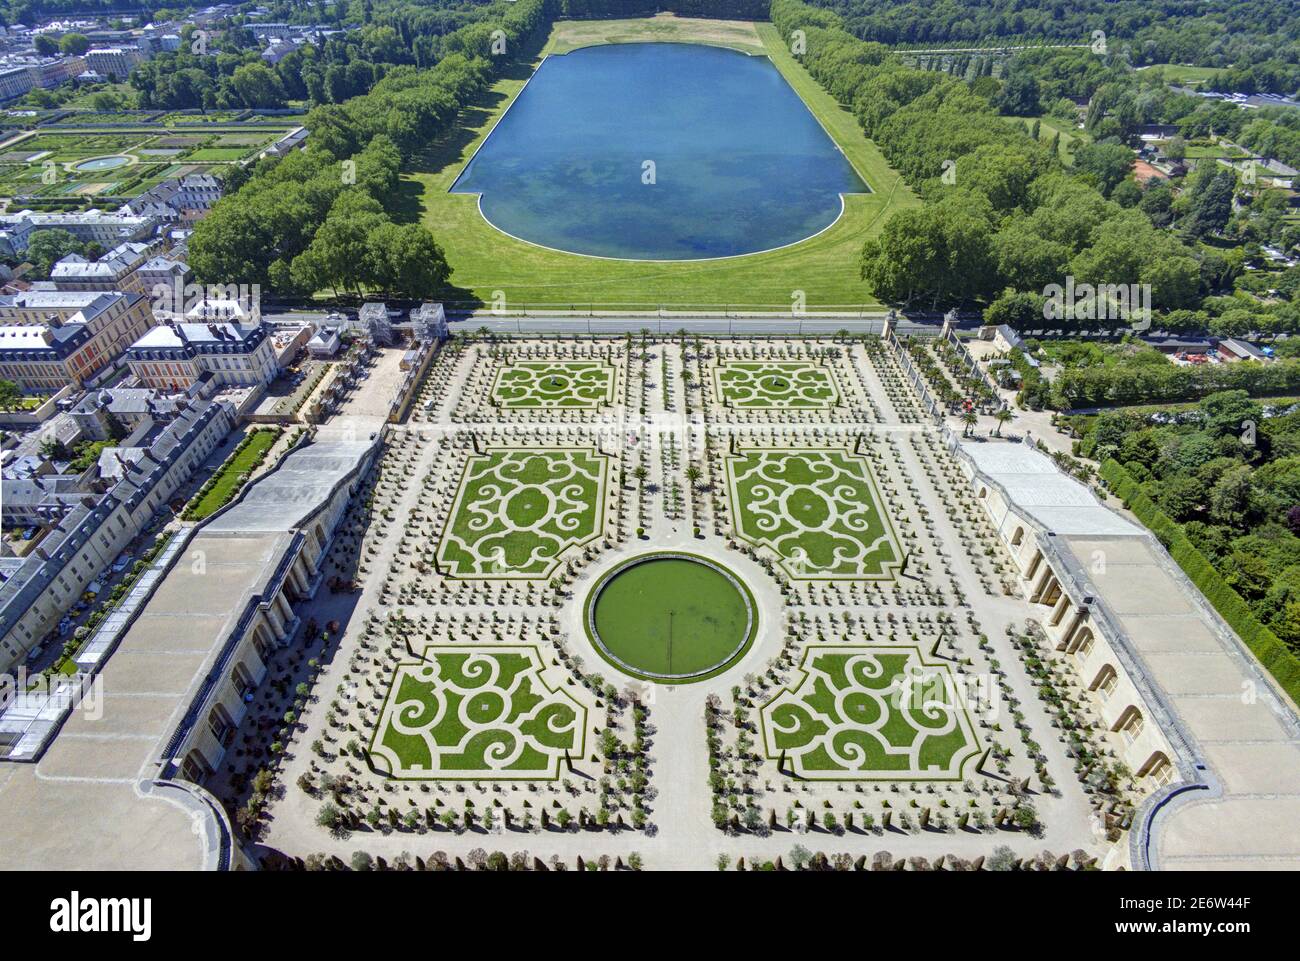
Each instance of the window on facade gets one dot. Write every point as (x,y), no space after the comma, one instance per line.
(1107,687)
(243,683)
(191,770)
(218,724)
(1162,773)
(1133,728)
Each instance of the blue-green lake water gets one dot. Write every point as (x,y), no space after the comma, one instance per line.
(738,163)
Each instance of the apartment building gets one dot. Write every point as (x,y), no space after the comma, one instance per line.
(15,81)
(92,534)
(106,229)
(174,200)
(115,62)
(162,272)
(49,339)
(118,317)
(115,270)
(175,355)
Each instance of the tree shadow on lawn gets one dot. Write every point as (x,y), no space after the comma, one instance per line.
(450,149)
(409,205)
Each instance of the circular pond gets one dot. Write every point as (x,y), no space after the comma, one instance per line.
(670,617)
(102,163)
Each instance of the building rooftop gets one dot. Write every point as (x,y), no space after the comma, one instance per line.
(110,266)
(283,499)
(90,303)
(223,311)
(197,337)
(1194,670)
(41,341)
(92,801)
(1060,503)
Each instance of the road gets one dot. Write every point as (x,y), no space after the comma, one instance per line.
(668,322)
(671,323)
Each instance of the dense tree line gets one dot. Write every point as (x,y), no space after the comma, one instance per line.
(1256,37)
(1121,99)
(308,223)
(226,70)
(1145,376)
(326,217)
(613,9)
(1002,218)
(1273,132)
(1228,471)
(999,211)
(32,12)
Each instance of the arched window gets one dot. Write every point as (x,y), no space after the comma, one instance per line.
(242,680)
(1017,537)
(1083,645)
(1103,685)
(1033,565)
(1051,592)
(220,724)
(261,644)
(1130,724)
(1158,768)
(195,767)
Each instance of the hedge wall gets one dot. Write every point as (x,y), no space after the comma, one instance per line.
(1281,662)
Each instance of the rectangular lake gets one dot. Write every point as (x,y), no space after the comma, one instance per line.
(659,151)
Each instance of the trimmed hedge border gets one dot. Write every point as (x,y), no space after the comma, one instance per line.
(1279,660)
(198,509)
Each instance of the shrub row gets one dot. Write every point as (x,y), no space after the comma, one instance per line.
(222,487)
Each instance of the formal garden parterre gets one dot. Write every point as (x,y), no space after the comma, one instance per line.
(870,712)
(122,161)
(818,509)
(487,528)
(569,383)
(776,385)
(518,509)
(477,712)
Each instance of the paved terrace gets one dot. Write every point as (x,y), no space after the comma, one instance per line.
(1236,722)
(81,805)
(90,802)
